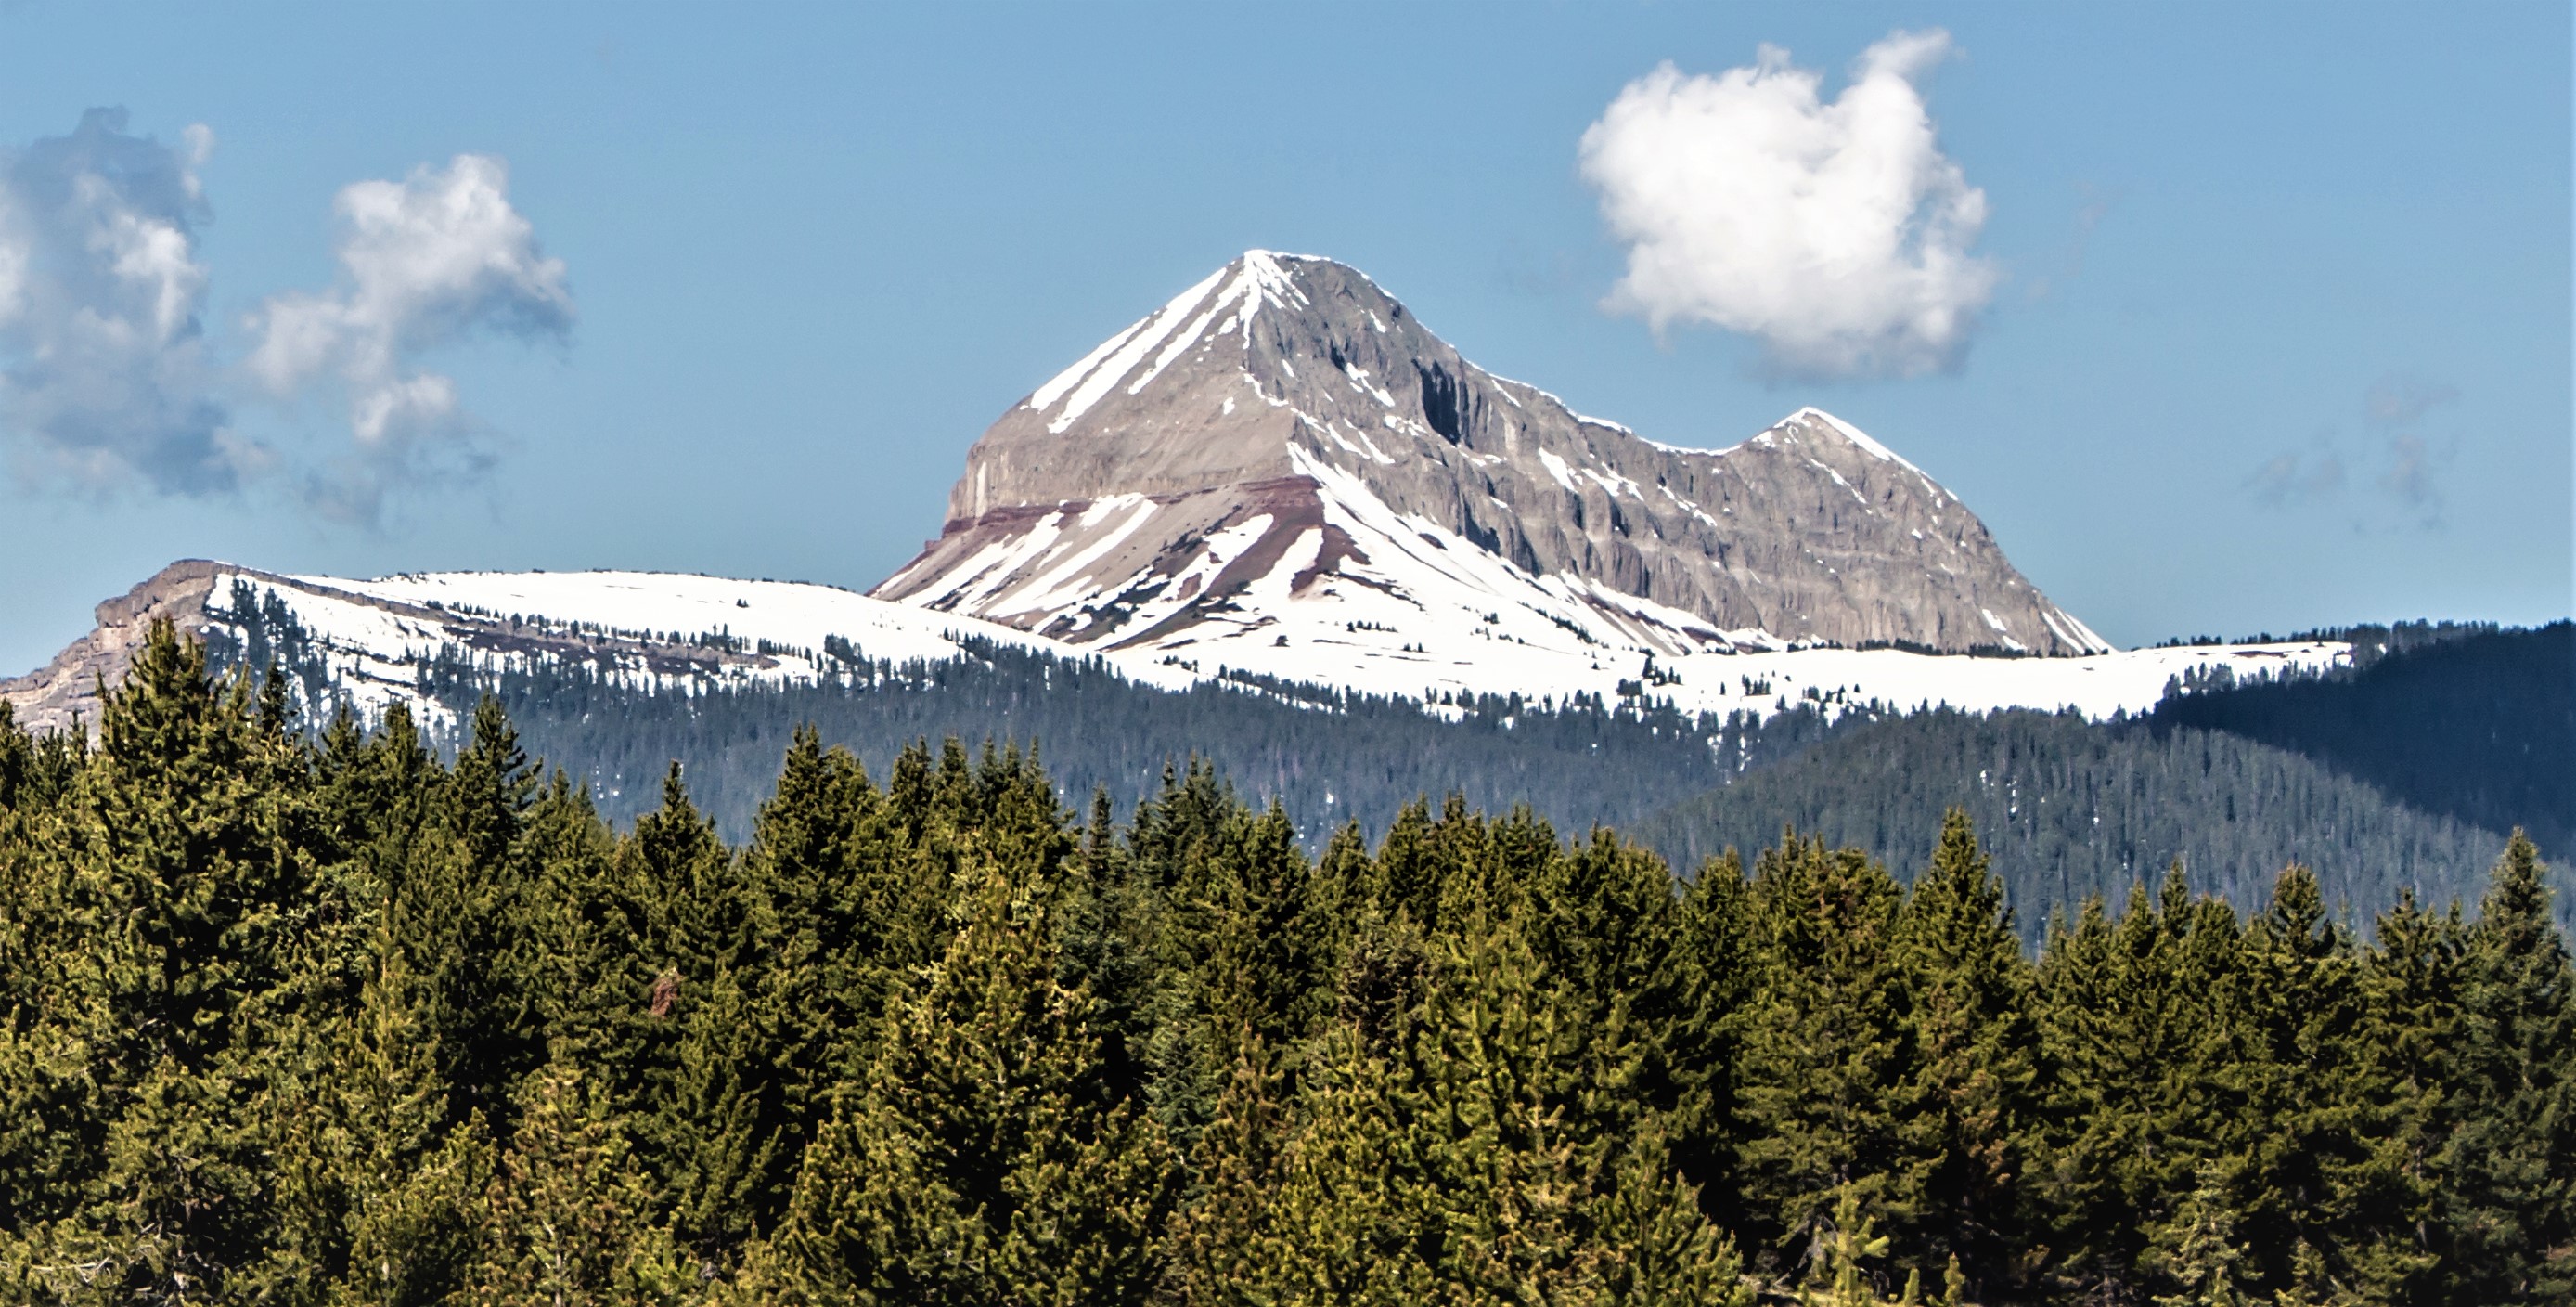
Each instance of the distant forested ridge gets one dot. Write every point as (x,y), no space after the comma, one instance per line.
(292,1017)
(2071,809)
(2477,725)
(2396,774)
(2330,782)
(1326,755)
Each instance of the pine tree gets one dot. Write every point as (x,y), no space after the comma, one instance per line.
(1461,1169)
(2143,1026)
(567,1218)
(1266,972)
(2408,1035)
(2199,1249)
(1714,965)
(980,1163)
(835,918)
(377,1195)
(2511,1164)
(197,864)
(1322,1212)
(2329,1207)
(699,1056)
(492,1035)
(1826,1053)
(1972,1103)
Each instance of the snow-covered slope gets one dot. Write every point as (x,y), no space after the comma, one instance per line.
(1285,435)
(1281,474)
(688,634)
(1526,653)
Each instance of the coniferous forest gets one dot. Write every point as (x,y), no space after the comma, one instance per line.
(2405,770)
(295,1015)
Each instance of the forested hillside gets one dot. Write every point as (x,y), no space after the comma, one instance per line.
(1327,757)
(2476,725)
(2071,809)
(287,1019)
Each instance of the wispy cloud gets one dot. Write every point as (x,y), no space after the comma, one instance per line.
(2414,476)
(424,262)
(1834,232)
(105,378)
(2402,401)
(2299,475)
(110,380)
(2056,274)
(2410,464)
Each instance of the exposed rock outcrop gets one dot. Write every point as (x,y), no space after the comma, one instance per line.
(65,691)
(1167,477)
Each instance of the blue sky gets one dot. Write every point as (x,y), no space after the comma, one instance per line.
(2277,332)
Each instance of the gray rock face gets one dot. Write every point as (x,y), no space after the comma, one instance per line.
(1282,382)
(64,693)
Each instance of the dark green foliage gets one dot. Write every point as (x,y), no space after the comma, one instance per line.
(331,1020)
(2406,772)
(1974,1099)
(1826,1051)
(2479,727)
(2509,1168)
(982,1159)
(2070,810)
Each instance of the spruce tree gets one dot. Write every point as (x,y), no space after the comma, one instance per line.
(1827,1052)
(2143,1027)
(567,1217)
(1972,1102)
(378,1196)
(2510,1166)
(980,1162)
(491,1034)
(2409,1035)
(1714,964)
(196,874)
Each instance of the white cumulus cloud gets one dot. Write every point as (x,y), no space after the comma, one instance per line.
(1836,232)
(104,374)
(424,262)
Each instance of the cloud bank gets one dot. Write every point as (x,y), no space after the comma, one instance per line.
(1835,233)
(424,262)
(104,373)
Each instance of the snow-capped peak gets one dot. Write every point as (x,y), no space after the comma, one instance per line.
(1162,337)
(1813,415)
(1215,411)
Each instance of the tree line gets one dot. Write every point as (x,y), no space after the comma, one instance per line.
(2069,807)
(323,1017)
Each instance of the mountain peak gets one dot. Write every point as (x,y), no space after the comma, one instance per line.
(1283,436)
(1813,419)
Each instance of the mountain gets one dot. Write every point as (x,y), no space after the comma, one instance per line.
(372,642)
(1282,480)
(1283,468)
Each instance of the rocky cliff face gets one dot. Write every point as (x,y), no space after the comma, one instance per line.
(65,691)
(1284,435)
